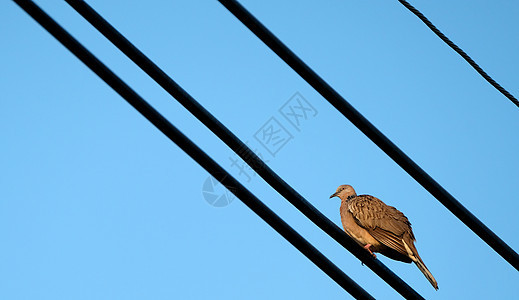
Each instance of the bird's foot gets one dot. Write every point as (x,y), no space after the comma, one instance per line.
(367,247)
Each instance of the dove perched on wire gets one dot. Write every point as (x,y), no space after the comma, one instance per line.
(379,228)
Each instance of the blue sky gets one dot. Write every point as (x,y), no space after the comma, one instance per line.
(95,203)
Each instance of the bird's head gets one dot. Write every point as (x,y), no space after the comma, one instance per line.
(344,191)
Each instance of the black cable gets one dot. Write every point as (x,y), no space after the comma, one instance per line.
(192,150)
(240,148)
(372,132)
(464,55)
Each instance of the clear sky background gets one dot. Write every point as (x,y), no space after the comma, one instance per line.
(95,203)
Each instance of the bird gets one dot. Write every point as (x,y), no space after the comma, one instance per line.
(378,227)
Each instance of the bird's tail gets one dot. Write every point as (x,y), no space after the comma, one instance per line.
(413,254)
(419,263)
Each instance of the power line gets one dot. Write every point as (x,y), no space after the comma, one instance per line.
(192,150)
(372,132)
(240,148)
(462,53)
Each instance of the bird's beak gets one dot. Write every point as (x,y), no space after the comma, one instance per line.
(333,195)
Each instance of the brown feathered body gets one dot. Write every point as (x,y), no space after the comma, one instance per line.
(369,221)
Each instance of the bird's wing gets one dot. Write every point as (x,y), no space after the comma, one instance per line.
(385,223)
(389,226)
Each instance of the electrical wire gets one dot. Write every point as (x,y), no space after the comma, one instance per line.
(192,150)
(372,132)
(458,50)
(240,148)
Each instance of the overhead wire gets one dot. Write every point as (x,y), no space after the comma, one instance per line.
(375,135)
(192,150)
(460,51)
(240,148)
